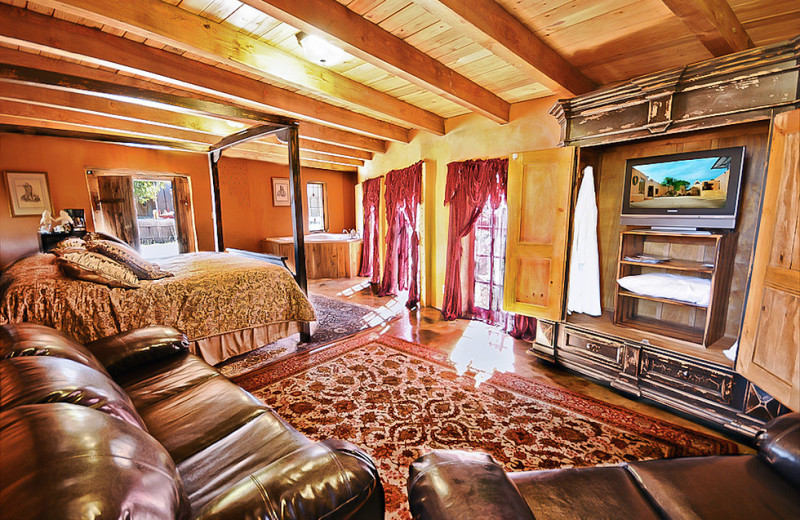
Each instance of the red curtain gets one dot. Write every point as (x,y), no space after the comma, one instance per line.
(469,185)
(401,261)
(370,258)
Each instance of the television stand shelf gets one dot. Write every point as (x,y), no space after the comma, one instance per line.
(707,256)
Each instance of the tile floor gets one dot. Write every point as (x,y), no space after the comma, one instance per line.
(479,346)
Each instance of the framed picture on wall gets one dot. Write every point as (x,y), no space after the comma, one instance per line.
(280,192)
(28,193)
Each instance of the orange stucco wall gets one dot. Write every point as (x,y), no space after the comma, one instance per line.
(248,214)
(246,189)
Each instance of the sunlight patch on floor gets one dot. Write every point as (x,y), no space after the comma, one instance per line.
(483,349)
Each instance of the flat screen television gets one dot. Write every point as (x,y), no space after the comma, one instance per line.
(688,190)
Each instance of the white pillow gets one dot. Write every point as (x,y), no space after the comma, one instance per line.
(675,287)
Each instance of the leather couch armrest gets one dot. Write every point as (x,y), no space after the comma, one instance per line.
(327,479)
(459,485)
(779,445)
(132,349)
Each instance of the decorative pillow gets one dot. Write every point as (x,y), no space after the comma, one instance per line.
(99,235)
(97,268)
(675,287)
(68,244)
(128,257)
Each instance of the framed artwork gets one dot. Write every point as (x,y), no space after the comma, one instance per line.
(28,193)
(280,192)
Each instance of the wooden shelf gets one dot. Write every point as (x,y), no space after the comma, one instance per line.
(674,330)
(710,256)
(674,265)
(629,294)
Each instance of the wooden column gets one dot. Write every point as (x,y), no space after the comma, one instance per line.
(216,206)
(296,194)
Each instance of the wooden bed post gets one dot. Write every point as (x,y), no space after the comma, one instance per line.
(216,206)
(296,193)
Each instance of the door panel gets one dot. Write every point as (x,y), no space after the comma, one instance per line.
(539,195)
(769,351)
(184,215)
(117,208)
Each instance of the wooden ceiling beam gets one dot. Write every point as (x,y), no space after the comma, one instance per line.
(282,160)
(93,105)
(44,33)
(714,23)
(490,25)
(52,130)
(183,104)
(373,44)
(24,115)
(162,22)
(311,132)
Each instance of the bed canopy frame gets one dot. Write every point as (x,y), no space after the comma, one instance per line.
(263,124)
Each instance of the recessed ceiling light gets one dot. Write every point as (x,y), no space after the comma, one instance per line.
(319,50)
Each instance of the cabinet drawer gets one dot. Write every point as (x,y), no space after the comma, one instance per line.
(686,377)
(592,347)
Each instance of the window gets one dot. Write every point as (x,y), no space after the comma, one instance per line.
(489,250)
(316,206)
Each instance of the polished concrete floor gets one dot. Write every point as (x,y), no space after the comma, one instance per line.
(480,347)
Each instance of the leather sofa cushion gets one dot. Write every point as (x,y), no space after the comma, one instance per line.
(68,461)
(201,415)
(326,480)
(450,484)
(30,339)
(166,378)
(779,445)
(734,487)
(40,379)
(599,493)
(258,443)
(138,348)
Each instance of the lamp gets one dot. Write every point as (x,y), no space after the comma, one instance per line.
(320,51)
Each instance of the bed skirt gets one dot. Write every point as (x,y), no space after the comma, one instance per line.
(214,349)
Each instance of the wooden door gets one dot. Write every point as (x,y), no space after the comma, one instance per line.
(117,207)
(769,350)
(184,215)
(539,200)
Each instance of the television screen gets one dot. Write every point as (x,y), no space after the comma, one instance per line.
(693,189)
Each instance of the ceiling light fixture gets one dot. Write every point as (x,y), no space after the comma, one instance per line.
(320,51)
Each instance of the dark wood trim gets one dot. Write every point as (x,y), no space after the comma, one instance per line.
(213,160)
(292,137)
(245,135)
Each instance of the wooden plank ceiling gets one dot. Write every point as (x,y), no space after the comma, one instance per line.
(410,64)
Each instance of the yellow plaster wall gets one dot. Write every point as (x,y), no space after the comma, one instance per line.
(466,137)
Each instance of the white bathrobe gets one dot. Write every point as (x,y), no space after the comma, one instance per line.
(584,266)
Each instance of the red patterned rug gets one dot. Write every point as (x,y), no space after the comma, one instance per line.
(398,400)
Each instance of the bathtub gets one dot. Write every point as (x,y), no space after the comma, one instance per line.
(328,255)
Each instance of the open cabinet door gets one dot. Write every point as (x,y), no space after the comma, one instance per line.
(117,207)
(539,196)
(769,350)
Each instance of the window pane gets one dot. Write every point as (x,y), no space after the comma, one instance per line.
(482,266)
(482,295)
(316,206)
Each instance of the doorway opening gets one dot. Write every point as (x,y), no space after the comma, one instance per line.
(155,217)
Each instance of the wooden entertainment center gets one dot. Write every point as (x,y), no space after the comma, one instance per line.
(671,352)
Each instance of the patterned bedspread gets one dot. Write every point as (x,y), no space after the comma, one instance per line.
(210,294)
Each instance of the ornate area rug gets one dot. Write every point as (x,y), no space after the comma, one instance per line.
(398,400)
(336,320)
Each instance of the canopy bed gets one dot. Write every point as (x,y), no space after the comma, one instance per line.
(226,303)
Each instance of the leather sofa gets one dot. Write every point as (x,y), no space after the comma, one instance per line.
(447,485)
(134,426)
